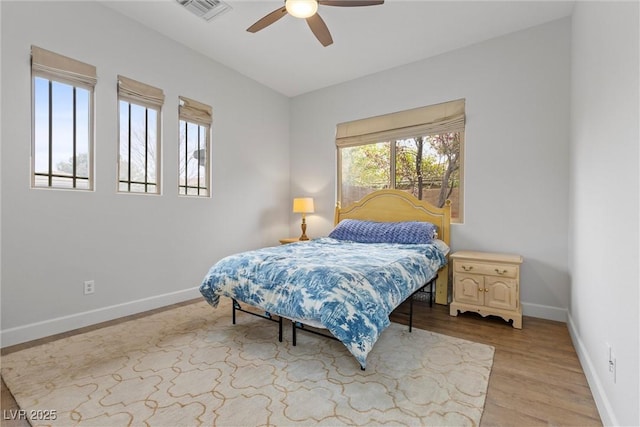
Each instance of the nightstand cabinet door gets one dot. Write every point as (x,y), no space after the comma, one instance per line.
(501,293)
(468,288)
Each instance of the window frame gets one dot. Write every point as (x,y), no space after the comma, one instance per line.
(53,67)
(195,113)
(148,97)
(438,119)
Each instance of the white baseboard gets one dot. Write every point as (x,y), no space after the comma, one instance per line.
(602,402)
(58,325)
(544,312)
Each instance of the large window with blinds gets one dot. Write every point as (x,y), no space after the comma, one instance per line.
(419,151)
(194,157)
(62,117)
(139,151)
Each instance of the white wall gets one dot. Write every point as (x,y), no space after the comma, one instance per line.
(605,193)
(142,251)
(0,173)
(529,184)
(516,147)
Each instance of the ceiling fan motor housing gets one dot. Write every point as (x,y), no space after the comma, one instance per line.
(301,8)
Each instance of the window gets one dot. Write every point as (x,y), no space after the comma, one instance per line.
(139,143)
(419,151)
(194,157)
(62,117)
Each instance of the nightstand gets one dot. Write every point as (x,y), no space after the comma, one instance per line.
(291,240)
(487,283)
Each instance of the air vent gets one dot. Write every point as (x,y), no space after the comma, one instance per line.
(205,9)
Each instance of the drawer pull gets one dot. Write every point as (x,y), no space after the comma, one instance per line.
(467,267)
(501,271)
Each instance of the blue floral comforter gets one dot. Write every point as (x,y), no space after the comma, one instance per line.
(350,288)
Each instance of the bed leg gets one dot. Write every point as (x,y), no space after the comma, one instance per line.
(234,306)
(362,368)
(293,335)
(410,313)
(431,283)
(280,329)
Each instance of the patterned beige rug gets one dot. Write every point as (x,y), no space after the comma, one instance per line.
(189,366)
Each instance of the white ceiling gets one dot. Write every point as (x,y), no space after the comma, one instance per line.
(287,57)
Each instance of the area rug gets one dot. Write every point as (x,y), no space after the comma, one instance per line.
(189,366)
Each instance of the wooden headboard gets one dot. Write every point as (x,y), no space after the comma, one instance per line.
(397,205)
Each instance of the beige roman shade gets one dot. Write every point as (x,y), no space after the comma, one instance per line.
(53,66)
(195,112)
(430,120)
(139,93)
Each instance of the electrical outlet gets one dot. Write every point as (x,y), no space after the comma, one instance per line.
(89,287)
(612,366)
(612,363)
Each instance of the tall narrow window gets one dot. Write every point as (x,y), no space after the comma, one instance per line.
(418,151)
(62,117)
(139,143)
(194,148)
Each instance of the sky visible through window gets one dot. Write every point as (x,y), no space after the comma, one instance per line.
(62,105)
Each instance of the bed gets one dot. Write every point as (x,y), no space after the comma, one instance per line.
(383,249)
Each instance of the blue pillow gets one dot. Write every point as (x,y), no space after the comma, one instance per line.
(411,232)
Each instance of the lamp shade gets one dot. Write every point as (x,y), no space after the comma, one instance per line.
(303,205)
(301,8)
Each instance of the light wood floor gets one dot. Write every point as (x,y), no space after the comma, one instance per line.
(536,378)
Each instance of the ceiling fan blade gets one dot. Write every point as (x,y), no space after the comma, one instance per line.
(320,30)
(350,3)
(267,20)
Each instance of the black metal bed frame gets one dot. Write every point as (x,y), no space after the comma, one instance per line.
(301,326)
(267,316)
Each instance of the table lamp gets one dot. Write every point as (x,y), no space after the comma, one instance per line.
(303,205)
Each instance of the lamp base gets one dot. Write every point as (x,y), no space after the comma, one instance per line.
(304,230)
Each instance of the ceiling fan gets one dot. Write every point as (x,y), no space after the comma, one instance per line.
(308,9)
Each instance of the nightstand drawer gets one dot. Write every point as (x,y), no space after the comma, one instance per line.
(502,270)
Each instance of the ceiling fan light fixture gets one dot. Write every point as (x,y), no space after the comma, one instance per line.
(301,8)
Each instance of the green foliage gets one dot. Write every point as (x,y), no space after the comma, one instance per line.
(366,165)
(431,161)
(82,165)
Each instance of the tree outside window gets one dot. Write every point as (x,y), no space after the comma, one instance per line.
(426,166)
(139,143)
